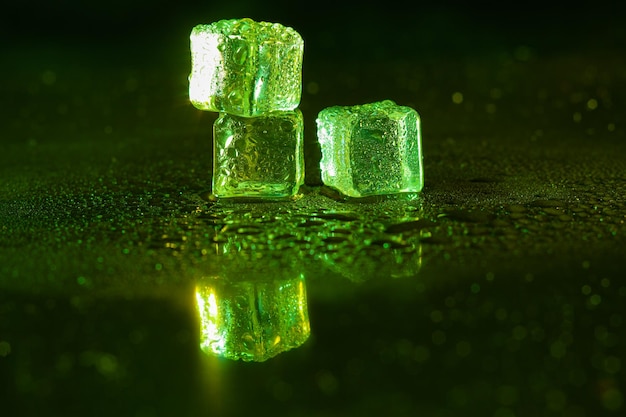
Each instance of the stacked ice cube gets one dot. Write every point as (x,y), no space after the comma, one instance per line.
(251,73)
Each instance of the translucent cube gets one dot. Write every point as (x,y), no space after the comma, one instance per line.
(245,68)
(258,157)
(371,149)
(252,320)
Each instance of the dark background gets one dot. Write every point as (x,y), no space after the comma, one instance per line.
(331,29)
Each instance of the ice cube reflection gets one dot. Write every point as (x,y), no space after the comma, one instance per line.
(252,317)
(381,258)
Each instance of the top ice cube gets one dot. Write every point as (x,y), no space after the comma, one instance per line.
(245,68)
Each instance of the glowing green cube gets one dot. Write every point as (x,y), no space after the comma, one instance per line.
(252,320)
(245,68)
(258,157)
(371,149)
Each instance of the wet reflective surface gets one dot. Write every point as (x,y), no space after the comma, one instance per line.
(497,291)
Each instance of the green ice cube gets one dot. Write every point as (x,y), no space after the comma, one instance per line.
(245,68)
(252,320)
(371,149)
(258,157)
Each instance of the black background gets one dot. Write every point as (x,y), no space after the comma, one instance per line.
(332,29)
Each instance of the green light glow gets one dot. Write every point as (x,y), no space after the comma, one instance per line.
(371,149)
(245,68)
(252,320)
(211,335)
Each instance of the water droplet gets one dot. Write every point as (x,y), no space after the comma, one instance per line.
(239,52)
